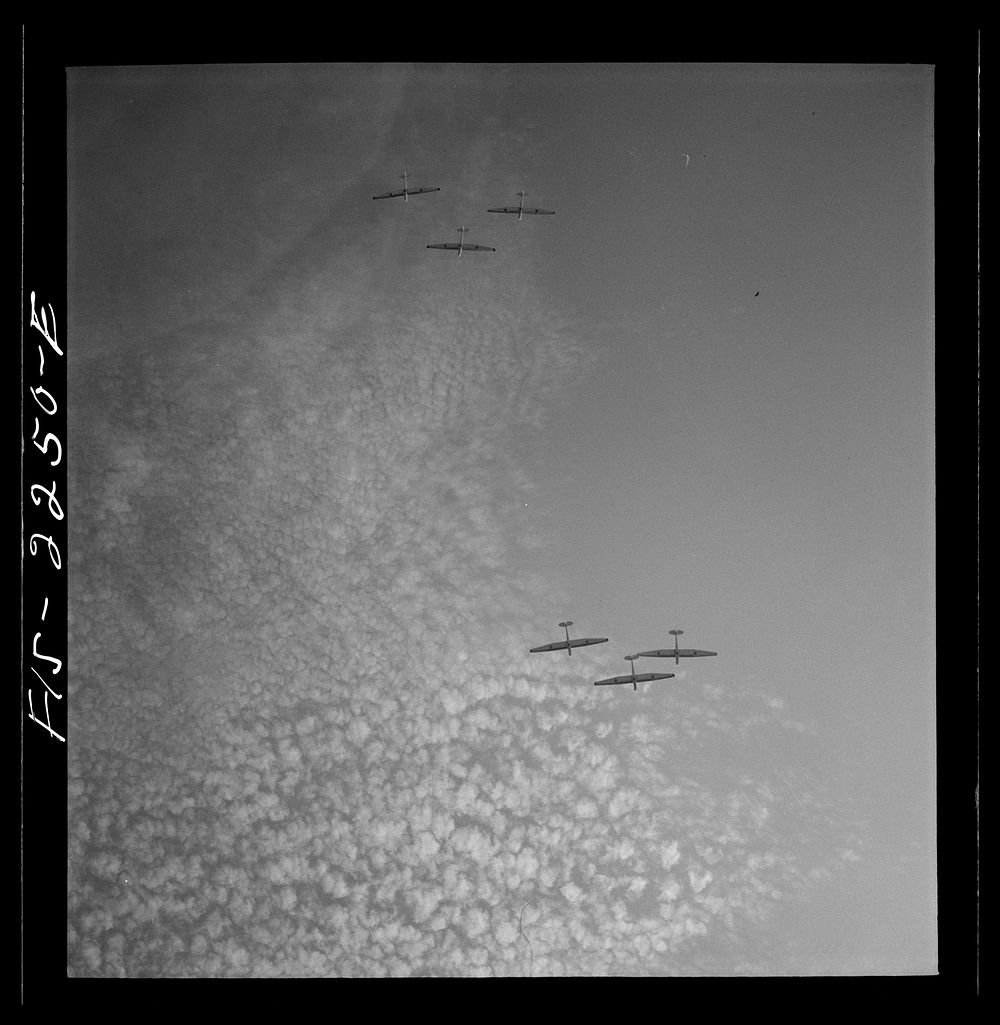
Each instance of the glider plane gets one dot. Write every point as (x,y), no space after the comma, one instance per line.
(569,645)
(406,192)
(462,246)
(520,209)
(634,678)
(676,653)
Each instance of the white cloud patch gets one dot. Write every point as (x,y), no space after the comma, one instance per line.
(572,893)
(670,854)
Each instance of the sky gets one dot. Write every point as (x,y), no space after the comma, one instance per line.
(328,486)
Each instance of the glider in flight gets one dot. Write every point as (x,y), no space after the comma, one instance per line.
(462,246)
(520,209)
(405,192)
(569,645)
(676,653)
(634,678)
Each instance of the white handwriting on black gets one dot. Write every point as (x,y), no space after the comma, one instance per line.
(47,404)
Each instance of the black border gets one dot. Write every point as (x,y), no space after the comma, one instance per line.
(44,758)
(48,50)
(957,365)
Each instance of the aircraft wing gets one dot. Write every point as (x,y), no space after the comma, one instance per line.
(578,642)
(480,249)
(447,245)
(433,188)
(535,210)
(392,195)
(638,678)
(554,646)
(671,652)
(504,210)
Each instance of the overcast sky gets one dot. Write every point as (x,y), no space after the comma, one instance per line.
(327,487)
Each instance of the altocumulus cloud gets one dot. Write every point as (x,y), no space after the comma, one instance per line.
(308,739)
